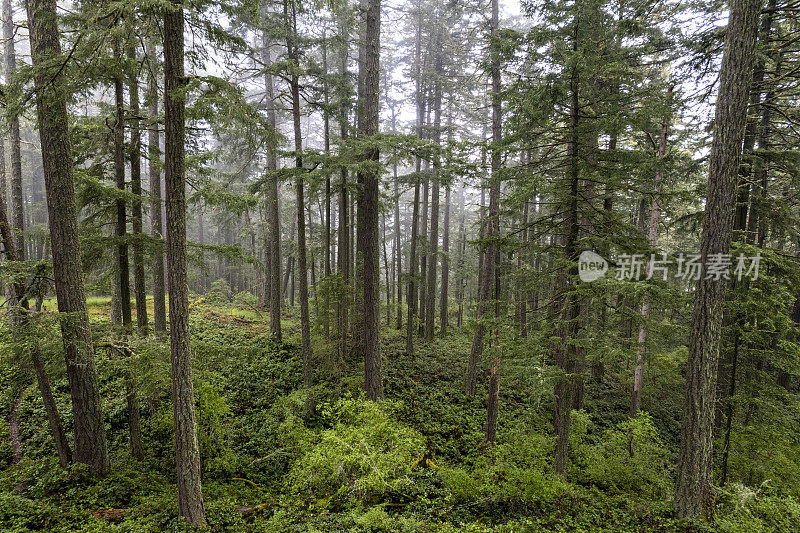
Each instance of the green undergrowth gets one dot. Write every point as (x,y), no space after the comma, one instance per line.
(277,458)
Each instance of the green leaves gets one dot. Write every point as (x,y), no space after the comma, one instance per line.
(366,455)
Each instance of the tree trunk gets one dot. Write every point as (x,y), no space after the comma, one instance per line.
(433,240)
(288,273)
(398,253)
(266,283)
(493,405)
(729,409)
(522,296)
(121,223)
(461,249)
(302,269)
(12,96)
(423,255)
(326,236)
(411,300)
(482,228)
(567,307)
(755,224)
(136,189)
(53,418)
(3,181)
(652,239)
(187,454)
(343,258)
(740,221)
(487,273)
(123,272)
(359,318)
(445,266)
(343,248)
(693,493)
(369,205)
(389,291)
(156,222)
(90,434)
(273,207)
(352,253)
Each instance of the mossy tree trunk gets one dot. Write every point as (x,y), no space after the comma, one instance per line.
(694,486)
(51,104)
(187,454)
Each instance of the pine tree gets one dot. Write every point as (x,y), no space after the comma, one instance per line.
(368,205)
(90,435)
(187,455)
(154,175)
(693,495)
(290,20)
(17,200)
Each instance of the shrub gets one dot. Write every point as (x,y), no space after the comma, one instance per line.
(219,292)
(22,514)
(366,454)
(514,474)
(760,513)
(245,299)
(631,458)
(213,416)
(464,487)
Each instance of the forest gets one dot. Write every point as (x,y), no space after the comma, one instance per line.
(400,265)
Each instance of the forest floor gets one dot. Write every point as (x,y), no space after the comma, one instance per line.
(413,462)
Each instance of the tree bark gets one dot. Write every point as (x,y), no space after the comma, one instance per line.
(187,454)
(289,265)
(522,296)
(693,493)
(652,239)
(90,434)
(398,255)
(487,274)
(411,300)
(433,240)
(136,189)
(461,249)
(443,311)
(326,236)
(343,257)
(493,405)
(12,96)
(273,207)
(567,308)
(369,205)
(156,221)
(423,254)
(302,269)
(121,223)
(3,173)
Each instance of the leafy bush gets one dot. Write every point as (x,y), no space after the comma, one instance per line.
(213,417)
(22,514)
(631,458)
(515,473)
(464,486)
(760,513)
(366,455)
(245,299)
(219,292)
